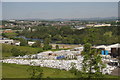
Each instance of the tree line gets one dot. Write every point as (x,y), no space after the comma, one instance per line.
(68,35)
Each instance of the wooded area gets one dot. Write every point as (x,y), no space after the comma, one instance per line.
(68,35)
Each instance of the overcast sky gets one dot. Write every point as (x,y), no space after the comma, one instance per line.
(52,10)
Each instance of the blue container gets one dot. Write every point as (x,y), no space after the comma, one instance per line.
(103,52)
(60,57)
(106,52)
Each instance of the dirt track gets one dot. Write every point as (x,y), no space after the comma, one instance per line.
(116,72)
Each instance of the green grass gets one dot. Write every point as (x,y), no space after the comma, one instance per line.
(10,35)
(4,54)
(111,76)
(20,71)
(6,49)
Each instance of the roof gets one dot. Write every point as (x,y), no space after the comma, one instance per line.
(114,46)
(101,46)
(109,46)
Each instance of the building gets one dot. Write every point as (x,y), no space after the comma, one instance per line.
(8,31)
(30,43)
(12,20)
(7,41)
(89,25)
(113,49)
(17,43)
(100,25)
(2,26)
(97,25)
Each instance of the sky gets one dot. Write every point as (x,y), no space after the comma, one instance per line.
(59,0)
(0,11)
(53,10)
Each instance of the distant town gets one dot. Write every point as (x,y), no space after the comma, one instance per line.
(73,23)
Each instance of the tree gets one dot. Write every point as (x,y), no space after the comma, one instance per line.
(57,37)
(15,51)
(47,47)
(46,44)
(57,47)
(47,41)
(91,36)
(68,40)
(37,44)
(100,35)
(23,42)
(22,53)
(92,61)
(73,70)
(109,34)
(35,72)
(78,74)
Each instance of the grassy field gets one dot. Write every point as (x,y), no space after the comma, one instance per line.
(6,49)
(20,71)
(10,35)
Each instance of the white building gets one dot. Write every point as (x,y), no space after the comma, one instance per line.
(100,25)
(81,28)
(97,25)
(17,43)
(90,25)
(7,41)
(109,46)
(30,43)
(12,20)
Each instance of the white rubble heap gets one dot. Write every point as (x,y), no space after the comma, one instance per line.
(59,64)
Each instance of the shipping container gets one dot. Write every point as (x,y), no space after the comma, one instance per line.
(103,52)
(106,52)
(114,52)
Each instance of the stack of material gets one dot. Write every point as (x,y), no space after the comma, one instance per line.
(59,64)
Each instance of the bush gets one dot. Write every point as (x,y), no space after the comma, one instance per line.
(37,44)
(15,51)
(57,47)
(23,42)
(47,47)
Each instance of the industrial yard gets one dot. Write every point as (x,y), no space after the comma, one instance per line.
(63,59)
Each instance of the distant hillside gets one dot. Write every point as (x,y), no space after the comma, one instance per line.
(87,19)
